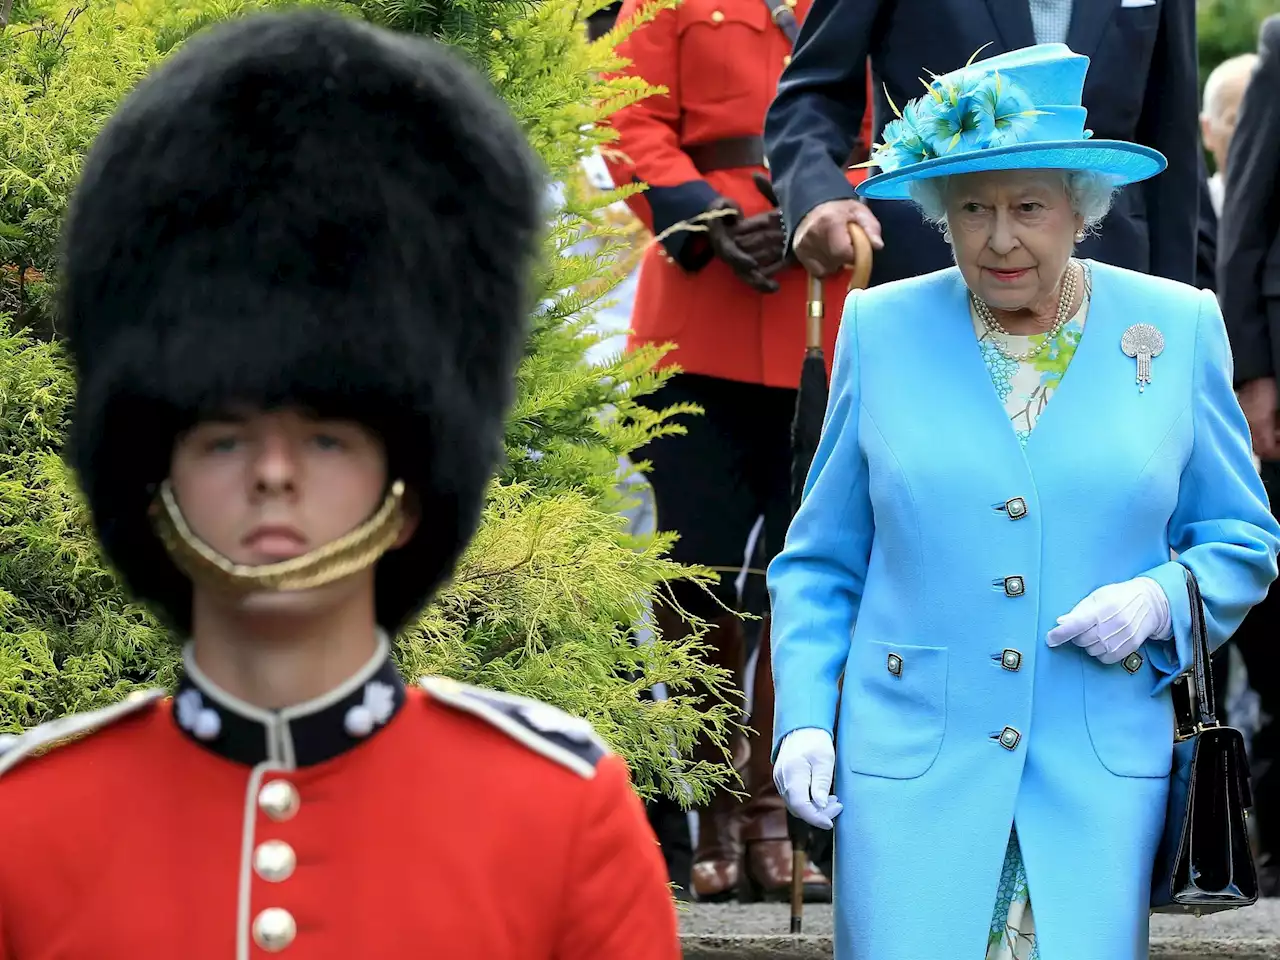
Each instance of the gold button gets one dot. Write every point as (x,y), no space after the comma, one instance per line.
(279,800)
(274,929)
(791,4)
(274,861)
(717,17)
(786,61)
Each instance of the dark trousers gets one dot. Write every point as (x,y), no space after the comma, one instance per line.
(1257,641)
(712,484)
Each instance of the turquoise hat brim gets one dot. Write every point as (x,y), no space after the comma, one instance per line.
(1119,160)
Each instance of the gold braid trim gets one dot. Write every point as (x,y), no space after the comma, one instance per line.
(332,561)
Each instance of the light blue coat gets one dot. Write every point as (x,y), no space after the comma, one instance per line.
(902,547)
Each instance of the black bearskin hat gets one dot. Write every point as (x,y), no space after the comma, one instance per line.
(300,209)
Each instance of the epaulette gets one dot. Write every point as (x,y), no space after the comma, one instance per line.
(567,740)
(48,736)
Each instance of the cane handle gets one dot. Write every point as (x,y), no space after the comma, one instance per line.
(859,276)
(861,269)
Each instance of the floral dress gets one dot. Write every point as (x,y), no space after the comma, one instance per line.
(1024,387)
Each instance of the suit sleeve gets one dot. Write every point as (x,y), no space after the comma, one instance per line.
(618,902)
(1206,236)
(1169,124)
(649,140)
(816,582)
(868,132)
(1251,215)
(813,121)
(1221,527)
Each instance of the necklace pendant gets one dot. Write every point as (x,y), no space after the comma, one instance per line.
(1143,342)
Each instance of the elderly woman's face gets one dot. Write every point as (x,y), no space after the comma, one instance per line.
(1013,232)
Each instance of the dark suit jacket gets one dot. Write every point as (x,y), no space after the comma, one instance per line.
(1249,236)
(1141,86)
(1206,235)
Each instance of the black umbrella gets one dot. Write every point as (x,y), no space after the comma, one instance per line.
(806,430)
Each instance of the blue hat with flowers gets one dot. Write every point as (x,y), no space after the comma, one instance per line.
(1017,111)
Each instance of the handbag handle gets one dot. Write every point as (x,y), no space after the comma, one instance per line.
(1201,705)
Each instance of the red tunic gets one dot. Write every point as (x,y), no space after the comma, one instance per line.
(720,61)
(458,831)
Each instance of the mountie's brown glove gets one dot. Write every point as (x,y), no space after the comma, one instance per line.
(751,246)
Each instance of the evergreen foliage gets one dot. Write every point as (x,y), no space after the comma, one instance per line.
(543,601)
(1225,28)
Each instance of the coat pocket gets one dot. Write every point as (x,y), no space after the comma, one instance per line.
(895,709)
(1131,731)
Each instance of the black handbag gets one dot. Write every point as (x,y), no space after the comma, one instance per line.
(1204,863)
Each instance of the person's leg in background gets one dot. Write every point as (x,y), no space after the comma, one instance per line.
(701,495)
(1256,641)
(766,450)
(667,816)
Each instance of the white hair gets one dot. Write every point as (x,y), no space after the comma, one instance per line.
(1090,193)
(1227,83)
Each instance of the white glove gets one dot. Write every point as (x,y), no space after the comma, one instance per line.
(803,772)
(1116,620)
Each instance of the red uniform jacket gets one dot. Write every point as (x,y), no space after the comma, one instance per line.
(447,822)
(720,60)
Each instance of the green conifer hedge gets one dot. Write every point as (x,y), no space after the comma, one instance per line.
(543,601)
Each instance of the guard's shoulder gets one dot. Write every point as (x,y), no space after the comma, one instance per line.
(567,740)
(56,733)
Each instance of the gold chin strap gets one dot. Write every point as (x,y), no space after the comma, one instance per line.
(339,558)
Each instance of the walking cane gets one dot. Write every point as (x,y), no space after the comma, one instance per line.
(806,429)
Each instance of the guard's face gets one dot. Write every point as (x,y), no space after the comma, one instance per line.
(266,487)
(1013,233)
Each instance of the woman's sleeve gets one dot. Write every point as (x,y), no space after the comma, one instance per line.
(816,582)
(1221,528)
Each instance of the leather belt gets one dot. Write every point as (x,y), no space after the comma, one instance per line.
(732,153)
(727,154)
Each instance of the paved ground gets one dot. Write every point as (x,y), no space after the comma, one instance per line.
(733,932)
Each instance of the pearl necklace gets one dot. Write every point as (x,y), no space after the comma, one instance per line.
(1064,314)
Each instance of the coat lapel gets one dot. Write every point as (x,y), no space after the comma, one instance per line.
(1012,19)
(973,407)
(973,400)
(1089,19)
(1074,400)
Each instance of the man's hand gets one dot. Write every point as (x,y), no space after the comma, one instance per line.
(736,240)
(1259,403)
(761,237)
(822,241)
